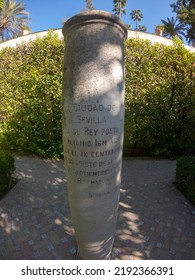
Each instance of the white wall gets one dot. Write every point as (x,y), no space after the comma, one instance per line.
(131,34)
(27,38)
(155,39)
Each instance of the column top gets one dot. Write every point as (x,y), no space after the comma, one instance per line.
(94,16)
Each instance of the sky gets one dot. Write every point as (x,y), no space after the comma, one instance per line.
(49,14)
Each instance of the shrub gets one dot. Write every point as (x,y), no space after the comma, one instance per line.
(160,97)
(30,90)
(185,177)
(7,168)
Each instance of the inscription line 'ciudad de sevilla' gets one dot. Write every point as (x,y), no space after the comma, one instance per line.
(93,127)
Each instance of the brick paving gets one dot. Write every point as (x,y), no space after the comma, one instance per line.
(155,220)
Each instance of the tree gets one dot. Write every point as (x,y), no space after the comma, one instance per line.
(173,29)
(136,15)
(89,5)
(14,19)
(159,30)
(119,7)
(185,10)
(128,26)
(142,28)
(176,6)
(1,4)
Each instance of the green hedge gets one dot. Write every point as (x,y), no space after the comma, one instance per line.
(7,168)
(160,98)
(30,90)
(185,177)
(160,95)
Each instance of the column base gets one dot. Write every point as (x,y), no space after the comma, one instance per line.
(78,256)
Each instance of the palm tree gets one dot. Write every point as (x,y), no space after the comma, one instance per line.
(136,15)
(172,28)
(186,15)
(119,7)
(13,19)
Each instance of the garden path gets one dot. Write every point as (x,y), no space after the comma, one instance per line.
(155,220)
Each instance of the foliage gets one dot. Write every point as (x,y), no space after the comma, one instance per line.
(185,177)
(159,30)
(142,28)
(14,19)
(185,10)
(1,4)
(136,15)
(160,95)
(119,7)
(7,168)
(89,5)
(30,89)
(173,29)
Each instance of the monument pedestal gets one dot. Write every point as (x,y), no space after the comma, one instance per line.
(93,127)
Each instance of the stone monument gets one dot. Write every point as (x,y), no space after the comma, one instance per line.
(93,127)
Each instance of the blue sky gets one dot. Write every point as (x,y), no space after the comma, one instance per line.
(49,14)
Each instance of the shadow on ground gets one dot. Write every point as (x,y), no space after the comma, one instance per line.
(34,217)
(155,221)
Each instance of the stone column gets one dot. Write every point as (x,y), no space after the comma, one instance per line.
(93,127)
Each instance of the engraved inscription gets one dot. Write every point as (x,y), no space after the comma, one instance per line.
(92,145)
(91,120)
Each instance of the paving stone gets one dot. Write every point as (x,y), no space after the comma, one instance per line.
(73,250)
(50,247)
(146,238)
(38,226)
(159,245)
(156,223)
(26,251)
(37,255)
(2,241)
(190,234)
(31,242)
(172,251)
(163,234)
(168,225)
(189,245)
(44,236)
(41,244)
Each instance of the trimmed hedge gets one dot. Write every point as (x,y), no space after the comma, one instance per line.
(7,168)
(160,98)
(185,177)
(30,91)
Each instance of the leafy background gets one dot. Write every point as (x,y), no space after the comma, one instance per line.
(160,98)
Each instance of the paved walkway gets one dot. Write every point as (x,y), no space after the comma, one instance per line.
(155,220)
